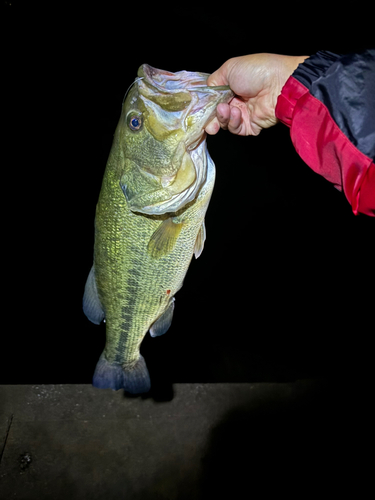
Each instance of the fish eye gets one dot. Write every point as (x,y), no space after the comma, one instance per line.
(135,122)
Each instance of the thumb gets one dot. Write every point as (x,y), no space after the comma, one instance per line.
(217,78)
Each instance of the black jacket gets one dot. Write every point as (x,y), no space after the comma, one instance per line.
(329,105)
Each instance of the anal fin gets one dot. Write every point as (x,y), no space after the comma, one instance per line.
(163,323)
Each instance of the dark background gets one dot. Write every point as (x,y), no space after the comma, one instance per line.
(283,288)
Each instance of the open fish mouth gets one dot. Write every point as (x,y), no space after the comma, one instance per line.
(176,105)
(183,90)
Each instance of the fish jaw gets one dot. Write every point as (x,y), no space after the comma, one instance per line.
(171,199)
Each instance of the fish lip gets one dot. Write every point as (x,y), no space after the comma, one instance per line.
(146,71)
(160,78)
(204,109)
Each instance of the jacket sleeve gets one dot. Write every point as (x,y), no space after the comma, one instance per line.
(329,105)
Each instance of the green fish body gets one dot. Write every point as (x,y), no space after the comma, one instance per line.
(150,216)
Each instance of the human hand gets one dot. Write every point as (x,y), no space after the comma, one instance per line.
(257,81)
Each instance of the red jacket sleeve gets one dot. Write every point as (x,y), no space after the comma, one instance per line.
(334,134)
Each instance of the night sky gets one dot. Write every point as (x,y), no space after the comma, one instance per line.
(283,288)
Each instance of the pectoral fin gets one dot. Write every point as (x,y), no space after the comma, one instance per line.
(163,323)
(164,238)
(199,242)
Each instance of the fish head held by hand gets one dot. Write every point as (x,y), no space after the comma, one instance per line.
(162,124)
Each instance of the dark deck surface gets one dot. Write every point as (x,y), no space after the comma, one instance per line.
(77,442)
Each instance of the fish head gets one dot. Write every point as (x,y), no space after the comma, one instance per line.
(160,132)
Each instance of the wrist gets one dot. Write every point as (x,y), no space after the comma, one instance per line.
(292,63)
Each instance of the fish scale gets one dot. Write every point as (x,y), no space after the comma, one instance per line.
(141,287)
(141,255)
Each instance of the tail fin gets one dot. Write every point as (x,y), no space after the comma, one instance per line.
(113,376)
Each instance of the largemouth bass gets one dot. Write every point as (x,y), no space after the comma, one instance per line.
(150,216)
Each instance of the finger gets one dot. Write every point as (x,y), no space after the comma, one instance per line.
(223,114)
(235,120)
(213,127)
(217,78)
(221,119)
